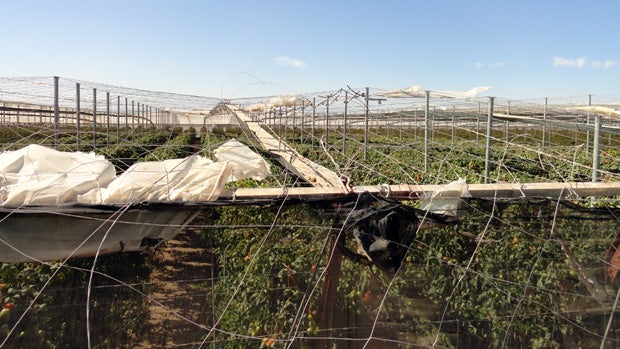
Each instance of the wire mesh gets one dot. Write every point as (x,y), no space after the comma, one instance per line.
(526,272)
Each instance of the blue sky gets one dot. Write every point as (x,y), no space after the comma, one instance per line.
(241,48)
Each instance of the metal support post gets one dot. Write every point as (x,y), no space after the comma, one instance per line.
(107,111)
(596,150)
(487,158)
(94,118)
(56,112)
(344,127)
(366,125)
(426,126)
(327,122)
(77,114)
(118,119)
(313,119)
(544,126)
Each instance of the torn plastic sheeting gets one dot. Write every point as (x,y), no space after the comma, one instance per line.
(447,200)
(190,179)
(244,162)
(36,175)
(48,234)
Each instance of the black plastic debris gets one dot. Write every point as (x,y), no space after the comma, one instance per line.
(378,231)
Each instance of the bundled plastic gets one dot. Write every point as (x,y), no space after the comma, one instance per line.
(36,175)
(40,176)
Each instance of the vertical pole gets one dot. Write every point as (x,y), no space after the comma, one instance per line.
(56,112)
(313,119)
(107,111)
(426,125)
(344,127)
(544,126)
(487,158)
(4,112)
(596,151)
(137,118)
(77,113)
(94,118)
(285,122)
(452,142)
(333,273)
(587,130)
(415,124)
(126,118)
(478,123)
(294,119)
(280,127)
(366,125)
(400,126)
(142,120)
(133,118)
(432,123)
(118,119)
(303,110)
(327,122)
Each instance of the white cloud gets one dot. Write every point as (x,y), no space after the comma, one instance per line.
(565,62)
(605,64)
(609,63)
(480,65)
(286,60)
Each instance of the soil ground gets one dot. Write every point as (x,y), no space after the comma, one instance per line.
(181,280)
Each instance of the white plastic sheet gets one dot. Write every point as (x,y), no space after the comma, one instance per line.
(36,175)
(446,200)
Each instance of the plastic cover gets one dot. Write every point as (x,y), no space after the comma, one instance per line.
(36,175)
(448,200)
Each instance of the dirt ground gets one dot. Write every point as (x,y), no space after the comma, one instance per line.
(180,284)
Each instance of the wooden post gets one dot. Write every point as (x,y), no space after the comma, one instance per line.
(333,273)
